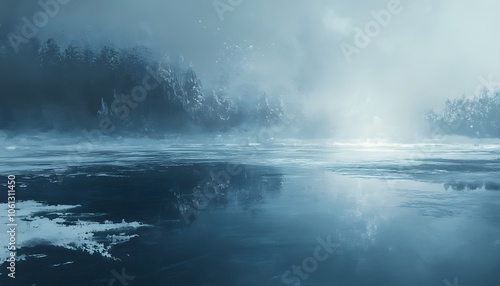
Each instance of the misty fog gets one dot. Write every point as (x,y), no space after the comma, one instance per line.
(427,52)
(249,142)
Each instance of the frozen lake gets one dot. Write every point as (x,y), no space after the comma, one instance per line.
(286,213)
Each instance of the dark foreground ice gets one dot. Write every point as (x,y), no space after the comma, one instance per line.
(286,214)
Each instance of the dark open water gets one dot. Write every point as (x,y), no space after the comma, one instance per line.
(288,214)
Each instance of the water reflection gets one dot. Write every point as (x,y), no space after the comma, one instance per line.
(472,185)
(153,192)
(263,220)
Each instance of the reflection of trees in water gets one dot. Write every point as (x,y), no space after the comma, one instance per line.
(472,185)
(152,192)
(255,187)
(247,189)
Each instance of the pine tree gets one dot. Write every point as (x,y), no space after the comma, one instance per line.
(50,55)
(193,94)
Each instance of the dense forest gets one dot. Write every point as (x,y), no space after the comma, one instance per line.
(48,87)
(478,116)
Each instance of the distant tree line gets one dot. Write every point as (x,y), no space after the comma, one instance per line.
(49,87)
(474,117)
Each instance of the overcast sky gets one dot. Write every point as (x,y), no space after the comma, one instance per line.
(429,51)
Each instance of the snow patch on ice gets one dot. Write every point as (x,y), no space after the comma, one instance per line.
(65,263)
(34,229)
